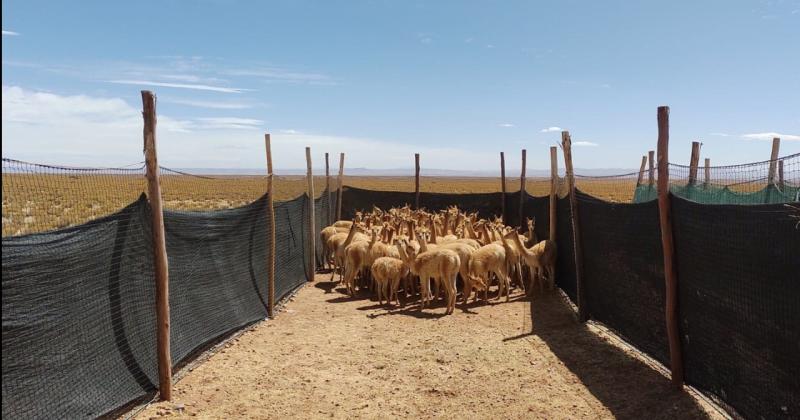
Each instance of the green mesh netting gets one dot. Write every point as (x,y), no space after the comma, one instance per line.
(711,194)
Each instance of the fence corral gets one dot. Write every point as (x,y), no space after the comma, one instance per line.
(79,314)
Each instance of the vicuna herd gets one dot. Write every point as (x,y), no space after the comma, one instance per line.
(387,251)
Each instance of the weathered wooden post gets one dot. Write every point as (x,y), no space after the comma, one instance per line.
(416,180)
(503,185)
(271,244)
(522,190)
(160,262)
(312,235)
(707,176)
(670,275)
(583,309)
(776,146)
(328,190)
(693,162)
(341,184)
(641,171)
(651,177)
(553,192)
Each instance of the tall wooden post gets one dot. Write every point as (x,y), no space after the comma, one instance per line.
(328,189)
(693,162)
(583,310)
(553,192)
(776,146)
(503,185)
(522,189)
(651,177)
(341,184)
(312,235)
(670,275)
(707,176)
(271,245)
(641,171)
(160,262)
(416,180)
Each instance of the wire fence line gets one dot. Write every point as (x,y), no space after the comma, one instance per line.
(79,326)
(79,318)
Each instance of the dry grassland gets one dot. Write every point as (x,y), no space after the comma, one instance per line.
(41,202)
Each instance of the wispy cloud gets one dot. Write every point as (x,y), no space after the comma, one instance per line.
(605,86)
(206,104)
(770,136)
(10,33)
(279,75)
(99,131)
(179,86)
(550,130)
(506,125)
(584,144)
(217,123)
(191,78)
(720,134)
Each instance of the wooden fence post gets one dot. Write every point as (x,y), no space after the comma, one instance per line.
(707,176)
(160,262)
(341,184)
(641,171)
(780,174)
(694,161)
(271,244)
(328,189)
(522,190)
(503,185)
(651,177)
(583,310)
(670,275)
(312,235)
(553,191)
(776,146)
(416,181)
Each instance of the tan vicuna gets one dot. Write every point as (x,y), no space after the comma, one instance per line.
(488,259)
(325,235)
(441,265)
(357,260)
(339,244)
(530,235)
(387,273)
(541,258)
(464,252)
(513,260)
(381,248)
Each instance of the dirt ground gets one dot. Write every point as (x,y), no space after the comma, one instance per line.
(330,356)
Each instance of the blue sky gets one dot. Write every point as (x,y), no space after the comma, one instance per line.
(457,81)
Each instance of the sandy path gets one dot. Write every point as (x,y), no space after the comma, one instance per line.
(329,356)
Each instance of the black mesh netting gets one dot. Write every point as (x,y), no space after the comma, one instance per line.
(538,209)
(322,207)
(565,262)
(217,273)
(486,204)
(624,271)
(79,318)
(290,245)
(739,297)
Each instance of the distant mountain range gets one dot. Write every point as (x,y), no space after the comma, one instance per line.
(511,172)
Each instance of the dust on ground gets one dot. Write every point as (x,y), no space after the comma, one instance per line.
(327,355)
